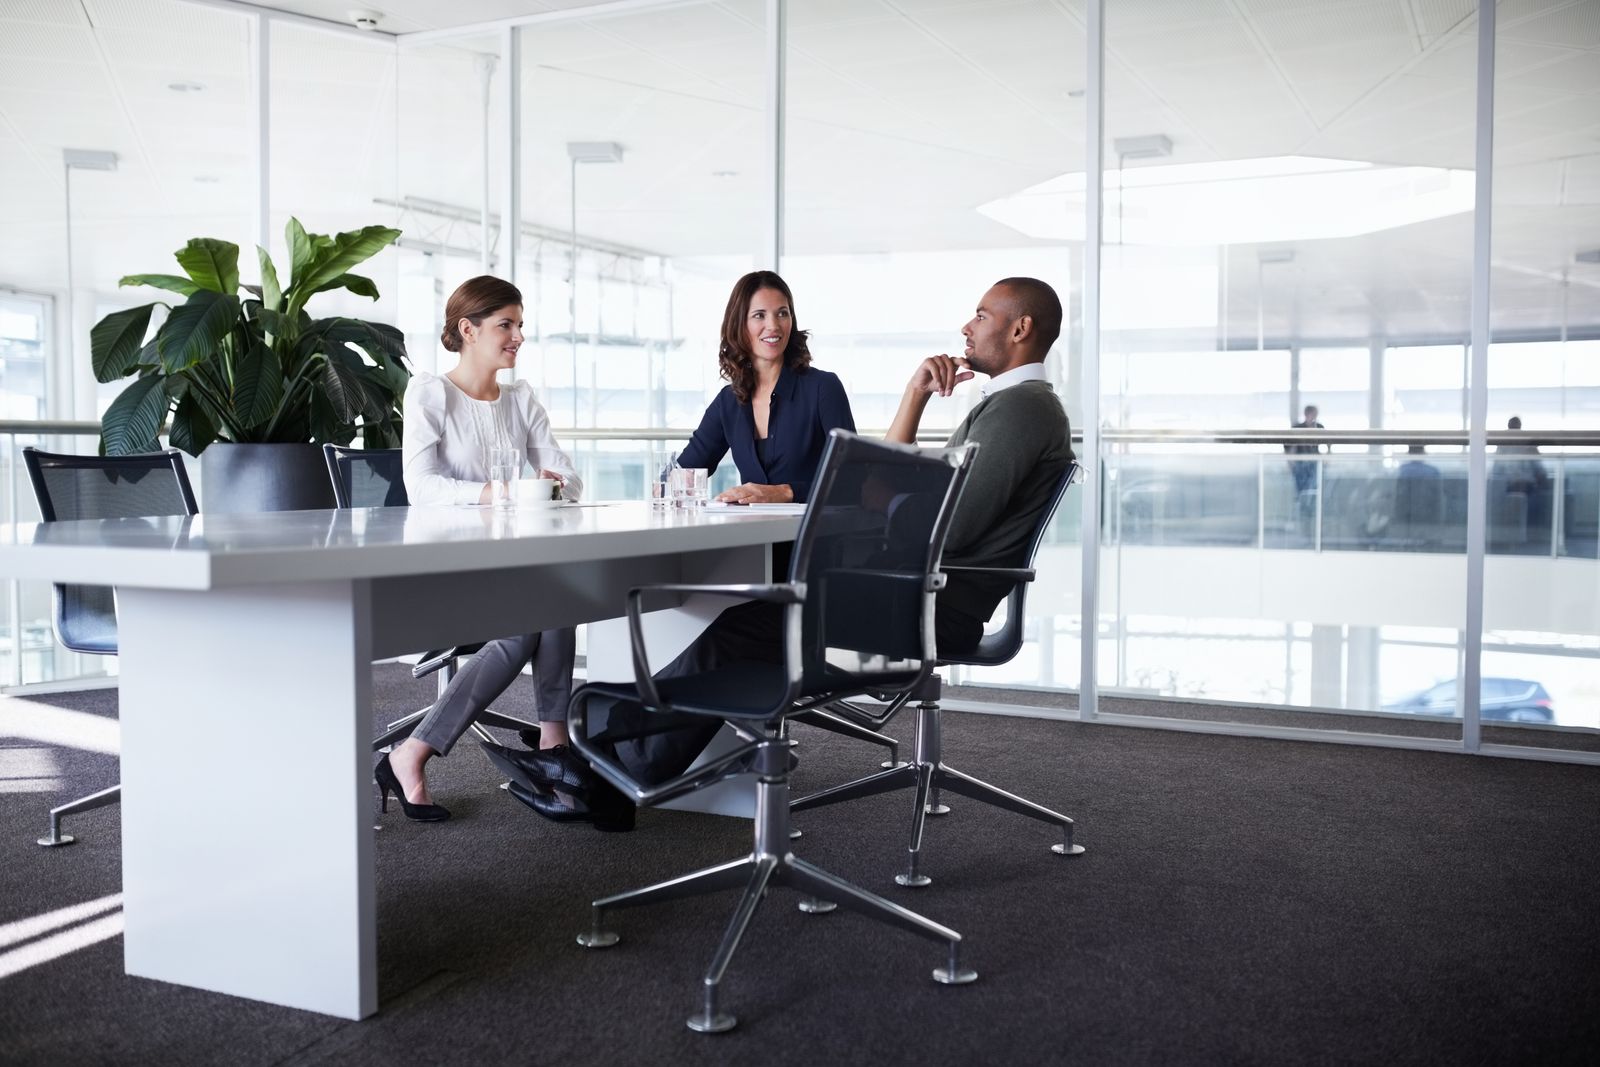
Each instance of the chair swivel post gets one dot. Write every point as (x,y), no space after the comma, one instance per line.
(55,838)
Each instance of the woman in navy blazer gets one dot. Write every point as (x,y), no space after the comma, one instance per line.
(776,410)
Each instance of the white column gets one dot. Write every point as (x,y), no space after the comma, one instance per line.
(511,98)
(1089,383)
(777,45)
(1478,426)
(261,96)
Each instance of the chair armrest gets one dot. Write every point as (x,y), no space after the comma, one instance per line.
(440,657)
(1016,574)
(779,593)
(934,584)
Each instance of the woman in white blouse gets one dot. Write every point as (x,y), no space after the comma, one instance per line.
(451,422)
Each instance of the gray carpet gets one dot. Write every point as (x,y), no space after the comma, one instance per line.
(1242,901)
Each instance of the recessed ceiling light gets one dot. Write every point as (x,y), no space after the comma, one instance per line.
(724,174)
(207,179)
(1075,94)
(1240,201)
(185,87)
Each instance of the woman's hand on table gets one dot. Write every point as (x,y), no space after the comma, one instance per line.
(756,493)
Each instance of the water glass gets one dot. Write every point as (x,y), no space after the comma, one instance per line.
(690,487)
(505,467)
(658,469)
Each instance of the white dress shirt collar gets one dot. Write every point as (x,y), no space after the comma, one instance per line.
(1028,372)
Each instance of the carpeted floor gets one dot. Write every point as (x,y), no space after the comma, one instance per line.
(1242,901)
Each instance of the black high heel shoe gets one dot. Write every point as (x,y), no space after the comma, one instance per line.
(388,783)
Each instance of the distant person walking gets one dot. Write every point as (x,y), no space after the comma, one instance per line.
(1305,474)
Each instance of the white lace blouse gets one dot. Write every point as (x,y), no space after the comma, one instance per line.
(447,435)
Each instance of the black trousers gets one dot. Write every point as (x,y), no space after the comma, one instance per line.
(752,631)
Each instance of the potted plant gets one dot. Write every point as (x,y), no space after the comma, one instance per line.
(248,378)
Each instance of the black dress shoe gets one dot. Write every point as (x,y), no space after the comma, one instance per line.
(612,814)
(544,770)
(558,768)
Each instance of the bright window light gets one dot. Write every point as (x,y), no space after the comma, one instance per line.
(1241,201)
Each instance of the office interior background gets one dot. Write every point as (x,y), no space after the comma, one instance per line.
(1289,194)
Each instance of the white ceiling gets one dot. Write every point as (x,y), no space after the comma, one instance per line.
(904,115)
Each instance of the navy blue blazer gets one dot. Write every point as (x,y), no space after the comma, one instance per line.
(805,406)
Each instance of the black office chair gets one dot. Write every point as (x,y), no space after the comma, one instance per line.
(375,478)
(857,616)
(70,488)
(928,773)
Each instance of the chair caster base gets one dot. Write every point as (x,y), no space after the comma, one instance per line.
(937,809)
(598,939)
(795,835)
(712,1023)
(1067,850)
(912,881)
(54,841)
(890,764)
(814,906)
(962,976)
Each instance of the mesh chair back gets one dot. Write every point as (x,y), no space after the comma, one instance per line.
(70,488)
(868,552)
(1001,645)
(366,477)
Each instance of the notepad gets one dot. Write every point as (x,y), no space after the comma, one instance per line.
(765,509)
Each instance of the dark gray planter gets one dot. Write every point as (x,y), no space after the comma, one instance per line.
(235,478)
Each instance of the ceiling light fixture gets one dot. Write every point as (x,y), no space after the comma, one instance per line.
(1241,201)
(724,174)
(186,87)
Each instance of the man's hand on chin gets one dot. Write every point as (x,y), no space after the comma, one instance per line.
(939,375)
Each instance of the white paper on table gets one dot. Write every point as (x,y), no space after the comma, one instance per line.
(765,509)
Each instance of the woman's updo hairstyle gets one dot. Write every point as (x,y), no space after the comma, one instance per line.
(474,300)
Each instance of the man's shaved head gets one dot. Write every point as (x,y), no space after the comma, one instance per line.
(1036,300)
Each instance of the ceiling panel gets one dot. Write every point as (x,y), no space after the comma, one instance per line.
(1575,26)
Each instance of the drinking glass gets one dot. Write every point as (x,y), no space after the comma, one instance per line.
(505,467)
(658,469)
(690,486)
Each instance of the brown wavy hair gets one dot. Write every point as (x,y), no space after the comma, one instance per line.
(475,300)
(735,360)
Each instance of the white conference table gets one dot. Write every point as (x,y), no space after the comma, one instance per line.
(246,649)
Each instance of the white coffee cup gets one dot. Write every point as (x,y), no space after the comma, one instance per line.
(538,493)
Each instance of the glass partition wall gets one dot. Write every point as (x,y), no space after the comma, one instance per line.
(1289,207)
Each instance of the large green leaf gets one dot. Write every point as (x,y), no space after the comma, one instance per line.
(191,429)
(133,421)
(115,341)
(195,329)
(170,282)
(301,249)
(271,291)
(325,425)
(333,259)
(213,264)
(356,283)
(341,381)
(257,385)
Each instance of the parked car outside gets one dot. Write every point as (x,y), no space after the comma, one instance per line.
(1500,700)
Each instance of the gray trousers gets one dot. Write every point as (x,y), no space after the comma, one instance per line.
(487,674)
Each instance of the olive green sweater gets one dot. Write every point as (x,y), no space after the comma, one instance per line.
(1023,447)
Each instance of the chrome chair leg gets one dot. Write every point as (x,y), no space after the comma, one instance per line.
(696,883)
(913,878)
(968,786)
(831,887)
(823,719)
(55,838)
(887,781)
(711,1020)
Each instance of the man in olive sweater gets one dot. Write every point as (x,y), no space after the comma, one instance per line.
(1023,446)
